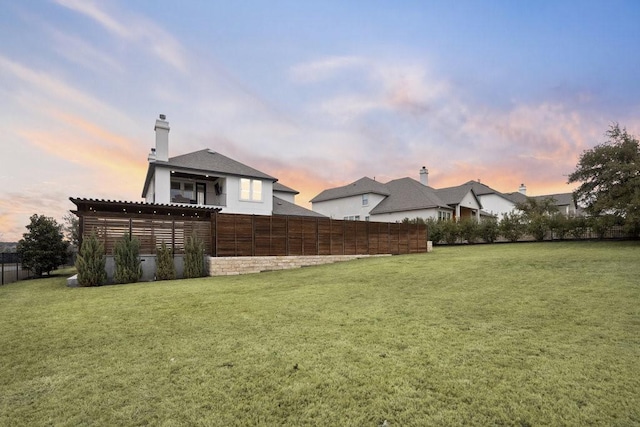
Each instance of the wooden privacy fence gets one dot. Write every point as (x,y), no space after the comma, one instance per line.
(251,235)
(254,235)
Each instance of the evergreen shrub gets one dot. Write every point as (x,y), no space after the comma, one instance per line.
(90,262)
(126,254)
(165,269)
(194,257)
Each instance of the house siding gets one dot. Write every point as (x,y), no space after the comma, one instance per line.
(162,185)
(235,205)
(348,206)
(496,205)
(287,197)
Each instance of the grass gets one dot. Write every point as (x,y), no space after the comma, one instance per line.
(513,334)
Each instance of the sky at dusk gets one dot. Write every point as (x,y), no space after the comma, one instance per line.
(317,94)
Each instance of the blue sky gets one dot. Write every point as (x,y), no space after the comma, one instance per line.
(317,94)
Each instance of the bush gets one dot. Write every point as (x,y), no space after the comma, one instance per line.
(512,227)
(601,224)
(194,257)
(165,270)
(578,227)
(91,262)
(126,256)
(469,229)
(489,229)
(538,226)
(560,226)
(434,228)
(450,231)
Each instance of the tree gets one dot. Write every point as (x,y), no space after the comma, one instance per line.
(43,248)
(537,215)
(165,270)
(91,262)
(194,257)
(72,229)
(126,255)
(609,175)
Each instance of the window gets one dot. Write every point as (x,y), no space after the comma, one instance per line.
(365,200)
(357,218)
(183,192)
(444,216)
(250,189)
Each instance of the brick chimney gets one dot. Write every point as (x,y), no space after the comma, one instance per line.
(161,152)
(424,176)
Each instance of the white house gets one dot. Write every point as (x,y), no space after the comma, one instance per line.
(208,178)
(370,200)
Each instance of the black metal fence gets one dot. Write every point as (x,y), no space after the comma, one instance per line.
(11,268)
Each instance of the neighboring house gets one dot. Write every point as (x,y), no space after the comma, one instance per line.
(370,200)
(208,178)
(563,201)
(463,200)
(494,203)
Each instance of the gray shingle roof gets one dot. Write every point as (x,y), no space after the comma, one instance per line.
(282,207)
(481,189)
(211,161)
(364,185)
(561,199)
(454,195)
(407,194)
(516,197)
(283,188)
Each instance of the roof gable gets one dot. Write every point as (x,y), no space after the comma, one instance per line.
(364,185)
(480,189)
(213,162)
(283,188)
(455,195)
(406,194)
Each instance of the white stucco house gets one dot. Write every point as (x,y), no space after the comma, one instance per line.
(370,200)
(208,178)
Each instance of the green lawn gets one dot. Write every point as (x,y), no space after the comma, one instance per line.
(510,334)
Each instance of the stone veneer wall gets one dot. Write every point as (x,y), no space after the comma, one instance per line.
(226,266)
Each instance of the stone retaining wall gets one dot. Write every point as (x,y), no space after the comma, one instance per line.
(226,266)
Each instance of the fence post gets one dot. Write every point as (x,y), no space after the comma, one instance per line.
(318,236)
(253,235)
(2,264)
(286,235)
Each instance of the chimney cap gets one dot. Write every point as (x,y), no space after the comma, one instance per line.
(163,116)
